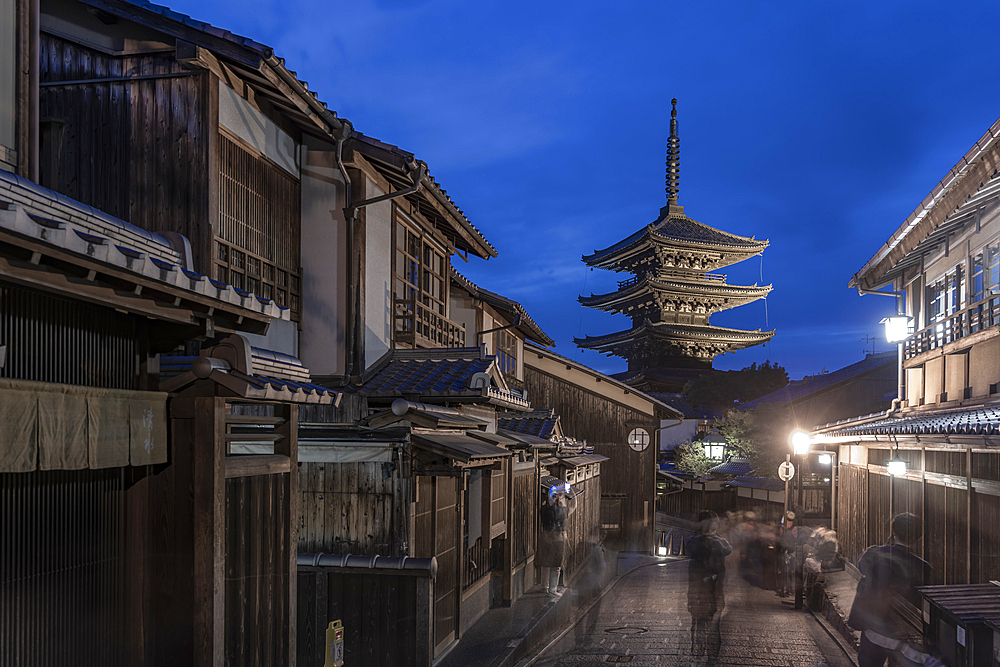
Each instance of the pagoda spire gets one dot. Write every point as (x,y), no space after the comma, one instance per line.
(673,158)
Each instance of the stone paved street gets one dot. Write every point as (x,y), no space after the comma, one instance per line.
(645,616)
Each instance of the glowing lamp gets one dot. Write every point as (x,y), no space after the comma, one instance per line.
(825,459)
(800,442)
(896,465)
(897,328)
(661,551)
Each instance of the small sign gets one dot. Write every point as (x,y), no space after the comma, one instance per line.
(960,635)
(638,439)
(334,645)
(786,471)
(927,612)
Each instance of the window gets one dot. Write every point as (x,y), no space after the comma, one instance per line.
(420,269)
(257,248)
(946,295)
(506,350)
(714,451)
(986,272)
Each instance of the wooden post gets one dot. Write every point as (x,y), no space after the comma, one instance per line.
(507,589)
(289,446)
(969,499)
(208,476)
(923,501)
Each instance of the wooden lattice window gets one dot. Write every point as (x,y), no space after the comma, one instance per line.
(421,266)
(257,248)
(506,348)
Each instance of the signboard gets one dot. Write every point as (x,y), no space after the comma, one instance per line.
(786,471)
(638,439)
(334,645)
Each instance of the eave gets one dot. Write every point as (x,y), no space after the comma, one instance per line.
(975,168)
(647,290)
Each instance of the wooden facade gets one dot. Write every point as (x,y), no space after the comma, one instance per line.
(133,137)
(597,409)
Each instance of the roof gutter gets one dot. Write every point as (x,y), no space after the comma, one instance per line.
(329,117)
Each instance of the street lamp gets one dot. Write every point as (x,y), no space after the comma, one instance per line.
(897,328)
(896,466)
(801,442)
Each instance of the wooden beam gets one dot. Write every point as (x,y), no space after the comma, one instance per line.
(209,497)
(292,96)
(249,465)
(288,447)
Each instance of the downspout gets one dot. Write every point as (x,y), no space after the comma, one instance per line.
(480,334)
(354,366)
(344,135)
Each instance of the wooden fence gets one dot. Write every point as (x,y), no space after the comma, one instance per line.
(386,615)
(961,530)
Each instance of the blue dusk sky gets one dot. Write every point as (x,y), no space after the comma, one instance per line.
(817,125)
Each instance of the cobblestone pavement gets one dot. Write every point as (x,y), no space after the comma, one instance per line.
(644,620)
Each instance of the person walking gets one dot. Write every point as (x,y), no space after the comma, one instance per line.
(552,536)
(706,581)
(890,574)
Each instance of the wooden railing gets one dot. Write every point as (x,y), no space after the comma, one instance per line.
(420,326)
(977,317)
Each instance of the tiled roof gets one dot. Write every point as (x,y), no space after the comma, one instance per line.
(719,294)
(680,228)
(757,483)
(735,465)
(541,423)
(983,420)
(272,376)
(570,363)
(799,389)
(434,190)
(439,373)
(679,403)
(528,326)
(41,214)
(692,332)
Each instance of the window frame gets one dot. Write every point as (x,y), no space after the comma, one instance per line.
(419,247)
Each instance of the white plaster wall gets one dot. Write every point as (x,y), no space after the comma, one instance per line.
(253,127)
(677,434)
(378,277)
(323,338)
(281,336)
(462,309)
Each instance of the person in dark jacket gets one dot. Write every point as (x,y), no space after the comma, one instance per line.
(891,574)
(706,580)
(551,538)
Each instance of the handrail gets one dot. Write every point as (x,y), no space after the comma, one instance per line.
(419,325)
(978,317)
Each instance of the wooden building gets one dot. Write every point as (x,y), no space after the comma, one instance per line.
(672,293)
(621,423)
(149,211)
(941,265)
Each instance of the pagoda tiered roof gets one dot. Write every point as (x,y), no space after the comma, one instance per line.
(700,341)
(680,292)
(676,240)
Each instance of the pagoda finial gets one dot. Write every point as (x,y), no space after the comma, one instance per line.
(673,157)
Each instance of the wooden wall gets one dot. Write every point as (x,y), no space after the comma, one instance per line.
(606,425)
(386,616)
(438,534)
(961,530)
(583,525)
(138,150)
(352,508)
(524,519)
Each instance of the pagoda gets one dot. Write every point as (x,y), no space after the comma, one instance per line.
(673,293)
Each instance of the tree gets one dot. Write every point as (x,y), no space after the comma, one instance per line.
(729,388)
(690,457)
(759,435)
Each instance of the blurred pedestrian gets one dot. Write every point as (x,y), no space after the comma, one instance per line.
(791,537)
(891,574)
(706,579)
(552,536)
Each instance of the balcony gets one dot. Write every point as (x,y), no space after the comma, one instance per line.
(418,325)
(977,317)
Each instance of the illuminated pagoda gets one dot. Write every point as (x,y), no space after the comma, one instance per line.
(673,293)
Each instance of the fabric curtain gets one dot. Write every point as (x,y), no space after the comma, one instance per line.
(18,431)
(148,430)
(62,431)
(108,432)
(48,426)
